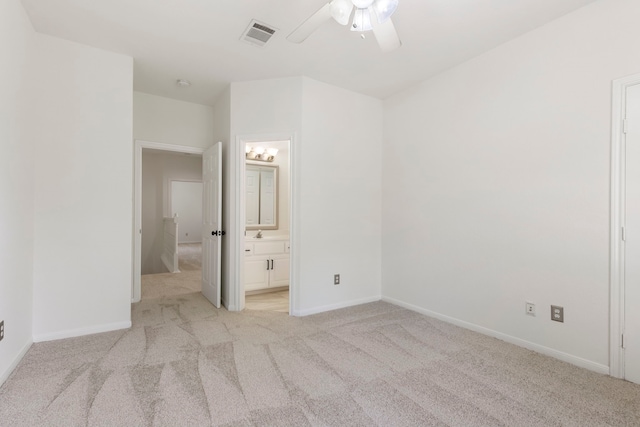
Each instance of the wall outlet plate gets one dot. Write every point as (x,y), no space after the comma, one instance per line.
(557,313)
(530,309)
(1,330)
(336,279)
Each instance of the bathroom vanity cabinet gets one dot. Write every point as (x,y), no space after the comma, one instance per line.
(266,264)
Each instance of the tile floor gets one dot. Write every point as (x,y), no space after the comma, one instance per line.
(271,301)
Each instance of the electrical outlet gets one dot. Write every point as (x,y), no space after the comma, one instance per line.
(336,279)
(557,313)
(530,308)
(1,330)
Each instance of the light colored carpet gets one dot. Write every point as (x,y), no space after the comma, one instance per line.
(189,279)
(184,363)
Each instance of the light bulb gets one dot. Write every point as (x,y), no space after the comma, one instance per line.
(272,151)
(259,150)
(384,9)
(341,11)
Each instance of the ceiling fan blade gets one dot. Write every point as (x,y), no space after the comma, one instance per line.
(312,23)
(386,35)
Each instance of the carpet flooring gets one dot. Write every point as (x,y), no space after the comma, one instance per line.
(185,363)
(189,279)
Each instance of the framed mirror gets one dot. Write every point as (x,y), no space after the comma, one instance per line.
(261,197)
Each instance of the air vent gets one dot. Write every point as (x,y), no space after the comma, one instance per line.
(257,33)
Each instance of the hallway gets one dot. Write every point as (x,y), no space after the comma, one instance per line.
(171,284)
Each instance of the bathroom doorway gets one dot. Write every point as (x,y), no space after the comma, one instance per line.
(266,200)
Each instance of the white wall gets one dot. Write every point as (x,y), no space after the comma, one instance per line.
(339,177)
(496,185)
(83,190)
(16,184)
(186,203)
(339,195)
(158,170)
(170,121)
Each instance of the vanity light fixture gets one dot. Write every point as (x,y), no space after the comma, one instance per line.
(261,154)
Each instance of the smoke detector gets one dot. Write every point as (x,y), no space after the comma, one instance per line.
(257,33)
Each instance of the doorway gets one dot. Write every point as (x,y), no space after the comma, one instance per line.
(148,146)
(266,199)
(625,230)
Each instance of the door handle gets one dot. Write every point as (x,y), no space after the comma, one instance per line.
(272,264)
(218,233)
(267,265)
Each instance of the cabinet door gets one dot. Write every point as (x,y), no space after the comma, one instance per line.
(280,272)
(256,273)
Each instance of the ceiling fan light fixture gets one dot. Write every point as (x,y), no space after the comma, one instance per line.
(361,20)
(341,11)
(384,9)
(362,4)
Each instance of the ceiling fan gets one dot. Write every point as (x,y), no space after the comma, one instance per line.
(369,15)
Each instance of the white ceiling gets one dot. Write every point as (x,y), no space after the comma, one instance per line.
(199,40)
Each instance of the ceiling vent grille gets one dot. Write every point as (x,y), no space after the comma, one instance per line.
(257,33)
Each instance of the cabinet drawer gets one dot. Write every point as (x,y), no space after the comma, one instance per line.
(265,248)
(248,248)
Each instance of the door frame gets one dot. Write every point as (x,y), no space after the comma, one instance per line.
(136,291)
(616,252)
(237,292)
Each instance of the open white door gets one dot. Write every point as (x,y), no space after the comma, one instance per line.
(211,222)
(632,238)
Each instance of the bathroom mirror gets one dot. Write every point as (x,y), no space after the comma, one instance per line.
(261,197)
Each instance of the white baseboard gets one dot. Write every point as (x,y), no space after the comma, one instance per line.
(108,327)
(565,357)
(225,303)
(14,363)
(344,304)
(171,266)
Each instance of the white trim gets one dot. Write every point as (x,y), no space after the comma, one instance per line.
(236,288)
(7,372)
(139,144)
(616,251)
(565,357)
(71,333)
(331,307)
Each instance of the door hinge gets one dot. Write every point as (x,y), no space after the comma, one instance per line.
(622,343)
(624,126)
(623,235)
